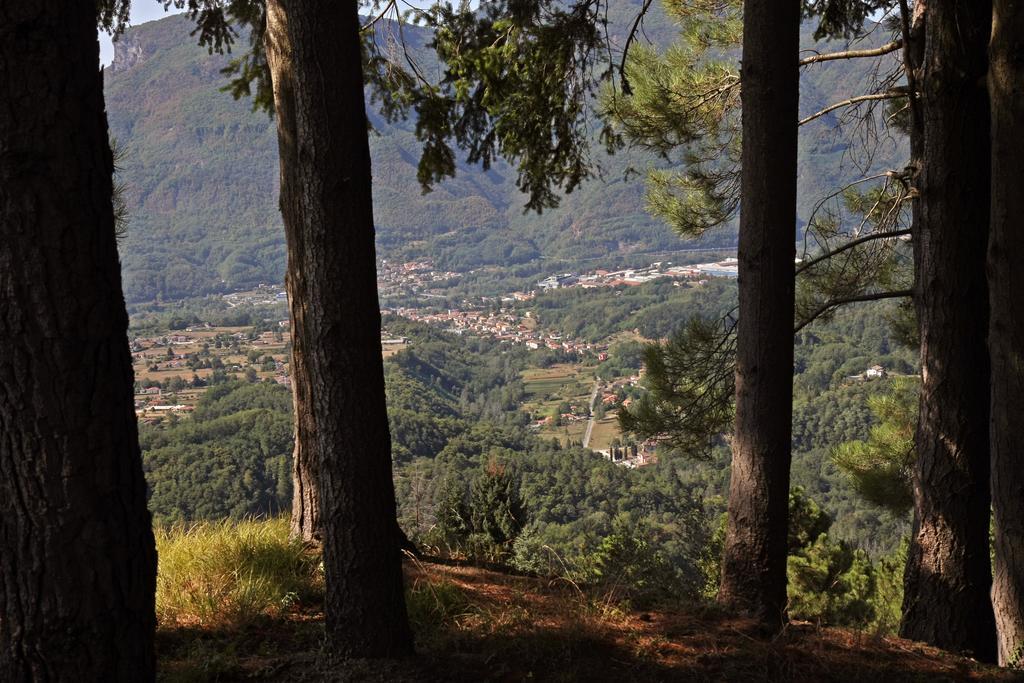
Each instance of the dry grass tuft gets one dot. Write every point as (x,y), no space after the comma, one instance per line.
(226,574)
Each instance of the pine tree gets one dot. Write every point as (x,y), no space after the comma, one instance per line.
(948,578)
(880,468)
(77,557)
(754,557)
(332,272)
(1006,325)
(496,512)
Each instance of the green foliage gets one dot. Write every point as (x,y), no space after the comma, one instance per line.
(683,105)
(710,562)
(880,468)
(627,567)
(112,15)
(807,521)
(226,574)
(888,598)
(831,582)
(452,526)
(903,322)
(856,251)
(122,216)
(842,18)
(517,76)
(436,389)
(496,512)
(232,460)
(690,383)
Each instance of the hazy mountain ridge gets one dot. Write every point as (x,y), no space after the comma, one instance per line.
(202,177)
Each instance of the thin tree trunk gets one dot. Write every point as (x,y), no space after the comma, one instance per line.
(1006,326)
(77,560)
(305,496)
(948,575)
(754,559)
(336,320)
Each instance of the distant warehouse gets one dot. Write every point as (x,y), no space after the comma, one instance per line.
(556,281)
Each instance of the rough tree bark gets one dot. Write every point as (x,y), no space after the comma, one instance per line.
(336,322)
(948,575)
(305,523)
(77,560)
(754,559)
(1006,325)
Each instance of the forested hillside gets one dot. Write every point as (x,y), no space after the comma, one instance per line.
(458,430)
(201,178)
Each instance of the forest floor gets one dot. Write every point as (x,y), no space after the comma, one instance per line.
(473,624)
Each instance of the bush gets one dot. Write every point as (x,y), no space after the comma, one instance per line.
(227,573)
(833,583)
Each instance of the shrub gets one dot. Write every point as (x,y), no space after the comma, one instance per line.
(833,583)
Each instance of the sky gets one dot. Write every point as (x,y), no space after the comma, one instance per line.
(150,10)
(142,11)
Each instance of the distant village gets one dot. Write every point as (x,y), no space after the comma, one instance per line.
(173,369)
(420,277)
(505,326)
(508,326)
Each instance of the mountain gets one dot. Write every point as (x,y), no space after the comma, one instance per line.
(201,175)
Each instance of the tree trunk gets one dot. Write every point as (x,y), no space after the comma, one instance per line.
(336,325)
(948,575)
(77,560)
(754,559)
(1006,326)
(305,497)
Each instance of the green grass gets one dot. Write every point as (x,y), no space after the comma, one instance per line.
(435,604)
(604,431)
(217,574)
(562,379)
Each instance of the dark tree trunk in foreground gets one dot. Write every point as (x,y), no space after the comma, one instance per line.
(77,561)
(754,559)
(336,327)
(948,576)
(1006,331)
(305,496)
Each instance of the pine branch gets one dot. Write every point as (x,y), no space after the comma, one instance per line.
(874,296)
(888,95)
(626,89)
(853,54)
(850,245)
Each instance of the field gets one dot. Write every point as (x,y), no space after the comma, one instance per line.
(547,388)
(562,380)
(389,350)
(604,431)
(153,363)
(171,360)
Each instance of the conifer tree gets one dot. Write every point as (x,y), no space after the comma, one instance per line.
(754,557)
(327,206)
(1006,325)
(343,489)
(881,467)
(948,577)
(77,557)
